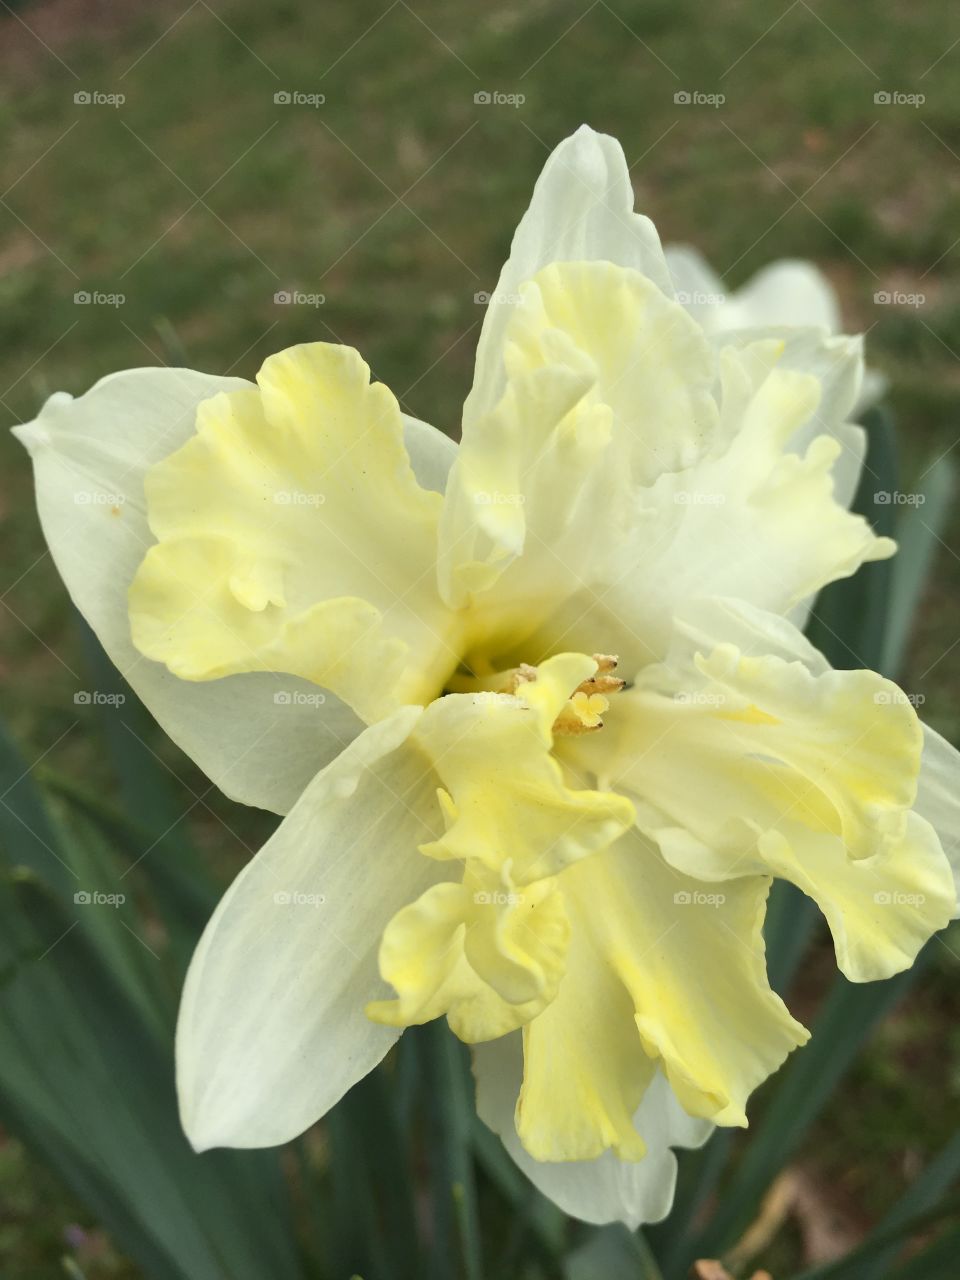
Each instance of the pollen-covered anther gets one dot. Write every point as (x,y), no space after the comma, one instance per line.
(604,681)
(583,712)
(524,674)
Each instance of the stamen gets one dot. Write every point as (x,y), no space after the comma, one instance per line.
(583,712)
(524,674)
(603,681)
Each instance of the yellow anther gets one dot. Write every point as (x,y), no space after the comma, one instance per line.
(603,681)
(583,713)
(589,707)
(524,674)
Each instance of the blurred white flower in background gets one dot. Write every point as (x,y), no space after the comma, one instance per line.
(790,293)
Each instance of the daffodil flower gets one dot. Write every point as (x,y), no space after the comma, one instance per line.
(536,708)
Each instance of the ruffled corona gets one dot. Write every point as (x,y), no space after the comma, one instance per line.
(490,951)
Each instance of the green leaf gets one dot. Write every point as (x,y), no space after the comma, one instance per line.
(533,1215)
(84,1080)
(849,618)
(185,898)
(450,1112)
(698,1177)
(115,926)
(612,1253)
(28,837)
(148,790)
(373,1181)
(791,925)
(150,820)
(919,534)
(86,1076)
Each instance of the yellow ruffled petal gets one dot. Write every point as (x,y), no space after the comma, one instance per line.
(650,363)
(584,1066)
(520,946)
(881,909)
(489,951)
(506,795)
(811,777)
(608,384)
(660,967)
(293,537)
(488,958)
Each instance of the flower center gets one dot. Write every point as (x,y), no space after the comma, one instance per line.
(583,710)
(488,945)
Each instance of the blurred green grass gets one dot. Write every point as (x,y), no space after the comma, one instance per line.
(200,197)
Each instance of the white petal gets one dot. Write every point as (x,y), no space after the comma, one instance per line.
(272,1029)
(697,286)
(779,529)
(938,794)
(789,292)
(835,360)
(89,458)
(581,211)
(754,631)
(432,453)
(873,390)
(602,1190)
